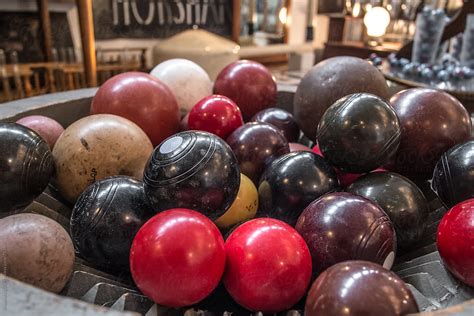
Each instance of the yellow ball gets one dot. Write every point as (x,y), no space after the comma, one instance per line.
(244,206)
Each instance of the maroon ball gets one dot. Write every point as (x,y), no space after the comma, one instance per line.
(46,127)
(282,120)
(359,288)
(249,84)
(432,122)
(256,145)
(142,99)
(342,226)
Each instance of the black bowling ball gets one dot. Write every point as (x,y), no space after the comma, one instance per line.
(106,218)
(26,166)
(282,120)
(195,170)
(359,133)
(400,198)
(453,176)
(292,182)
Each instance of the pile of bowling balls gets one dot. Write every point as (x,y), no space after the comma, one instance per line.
(205,192)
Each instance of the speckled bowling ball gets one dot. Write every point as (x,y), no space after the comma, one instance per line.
(342,226)
(329,81)
(26,166)
(432,121)
(96,147)
(36,250)
(195,170)
(373,291)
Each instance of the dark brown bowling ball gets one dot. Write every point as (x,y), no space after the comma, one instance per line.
(329,81)
(282,120)
(400,198)
(256,145)
(249,84)
(26,166)
(342,226)
(359,288)
(144,100)
(195,170)
(36,250)
(432,122)
(292,182)
(359,133)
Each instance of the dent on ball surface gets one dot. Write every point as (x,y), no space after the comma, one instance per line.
(36,250)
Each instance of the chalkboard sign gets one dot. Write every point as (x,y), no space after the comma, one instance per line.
(160,18)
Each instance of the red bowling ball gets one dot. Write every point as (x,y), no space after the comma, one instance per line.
(46,127)
(142,99)
(268,265)
(177,258)
(249,84)
(215,114)
(455,241)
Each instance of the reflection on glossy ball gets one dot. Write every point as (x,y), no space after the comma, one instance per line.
(292,182)
(106,218)
(359,288)
(244,206)
(36,250)
(177,258)
(282,120)
(26,166)
(342,226)
(400,198)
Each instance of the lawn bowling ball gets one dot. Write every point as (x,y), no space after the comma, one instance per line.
(249,84)
(359,288)
(46,127)
(453,177)
(96,147)
(432,122)
(36,250)
(268,266)
(105,219)
(292,182)
(400,198)
(177,258)
(26,166)
(256,145)
(215,114)
(298,147)
(282,120)
(359,133)
(192,169)
(455,239)
(244,206)
(342,226)
(329,81)
(143,100)
(186,79)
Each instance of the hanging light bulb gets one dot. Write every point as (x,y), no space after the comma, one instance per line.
(376,21)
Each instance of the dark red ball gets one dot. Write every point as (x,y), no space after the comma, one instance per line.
(177,257)
(215,114)
(342,226)
(282,120)
(432,121)
(256,145)
(249,84)
(359,288)
(268,265)
(455,241)
(142,99)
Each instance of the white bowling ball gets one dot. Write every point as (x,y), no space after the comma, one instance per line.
(186,79)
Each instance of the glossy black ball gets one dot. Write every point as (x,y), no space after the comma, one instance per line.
(453,176)
(195,170)
(106,218)
(401,199)
(359,133)
(26,166)
(292,182)
(282,120)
